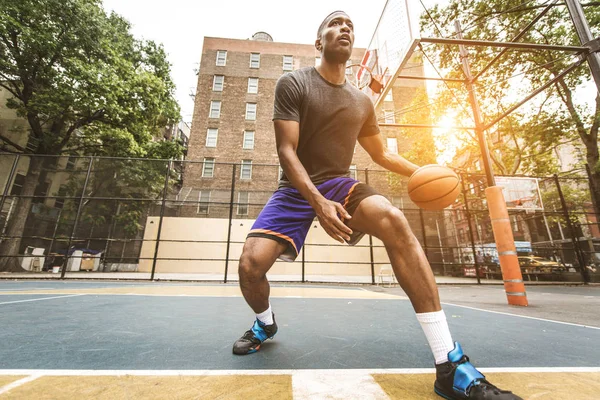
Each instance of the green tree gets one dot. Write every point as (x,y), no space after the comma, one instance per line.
(554,117)
(83,83)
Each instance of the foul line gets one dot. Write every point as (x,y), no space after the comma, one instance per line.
(18,383)
(523,316)
(36,373)
(43,298)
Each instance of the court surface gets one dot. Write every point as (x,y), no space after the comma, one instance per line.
(160,340)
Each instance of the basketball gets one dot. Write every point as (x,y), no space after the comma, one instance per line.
(433,187)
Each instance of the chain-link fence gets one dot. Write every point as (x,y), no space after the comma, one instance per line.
(116,218)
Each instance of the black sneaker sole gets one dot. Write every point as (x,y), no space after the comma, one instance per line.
(442,394)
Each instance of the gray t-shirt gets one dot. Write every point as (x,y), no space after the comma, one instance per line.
(331,118)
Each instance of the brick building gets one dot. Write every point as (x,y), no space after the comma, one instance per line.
(232,127)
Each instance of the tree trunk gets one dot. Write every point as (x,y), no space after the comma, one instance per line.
(9,248)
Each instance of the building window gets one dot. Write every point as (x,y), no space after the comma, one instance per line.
(218,83)
(397,202)
(288,63)
(392,145)
(60,197)
(255,60)
(221,58)
(246,171)
(279,173)
(248,140)
(40,193)
(32,143)
(251,111)
(317,61)
(215,109)
(71,163)
(17,186)
(353,171)
(208,168)
(389,96)
(211,137)
(243,200)
(253,85)
(390,118)
(203,201)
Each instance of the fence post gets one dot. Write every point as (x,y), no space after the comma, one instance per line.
(471,235)
(574,239)
(77,216)
(370,238)
(592,193)
(424,233)
(303,266)
(54,232)
(160,220)
(233,171)
(11,175)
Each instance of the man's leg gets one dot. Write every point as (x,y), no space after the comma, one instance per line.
(376,216)
(456,377)
(258,256)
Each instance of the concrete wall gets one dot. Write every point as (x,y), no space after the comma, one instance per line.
(319,260)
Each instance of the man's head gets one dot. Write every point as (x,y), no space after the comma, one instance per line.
(335,37)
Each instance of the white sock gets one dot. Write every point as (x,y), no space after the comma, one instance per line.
(436,330)
(266,317)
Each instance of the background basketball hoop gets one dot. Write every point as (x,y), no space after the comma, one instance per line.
(361,76)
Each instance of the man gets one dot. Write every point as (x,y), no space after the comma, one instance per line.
(318,117)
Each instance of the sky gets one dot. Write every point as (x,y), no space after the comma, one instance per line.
(181,25)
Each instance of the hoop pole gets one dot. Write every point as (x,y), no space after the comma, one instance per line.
(587,39)
(505,245)
(503,235)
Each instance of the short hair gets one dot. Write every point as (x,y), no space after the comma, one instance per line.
(323,24)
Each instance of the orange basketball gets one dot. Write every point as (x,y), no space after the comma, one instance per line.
(433,187)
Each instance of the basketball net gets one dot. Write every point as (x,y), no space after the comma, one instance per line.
(361,76)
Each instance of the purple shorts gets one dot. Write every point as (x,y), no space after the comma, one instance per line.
(287,216)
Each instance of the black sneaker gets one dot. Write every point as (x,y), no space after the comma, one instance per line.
(458,379)
(253,338)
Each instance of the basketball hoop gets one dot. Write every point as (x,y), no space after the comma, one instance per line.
(361,76)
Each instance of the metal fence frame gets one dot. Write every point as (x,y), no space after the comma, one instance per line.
(582,256)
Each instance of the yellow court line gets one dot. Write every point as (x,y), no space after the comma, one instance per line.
(272,387)
(286,385)
(528,385)
(217,291)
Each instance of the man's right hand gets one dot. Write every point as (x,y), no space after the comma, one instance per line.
(329,213)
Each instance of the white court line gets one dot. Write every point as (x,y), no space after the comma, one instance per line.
(43,298)
(18,383)
(513,315)
(341,372)
(523,316)
(309,384)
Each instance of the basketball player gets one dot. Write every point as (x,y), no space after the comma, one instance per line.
(318,118)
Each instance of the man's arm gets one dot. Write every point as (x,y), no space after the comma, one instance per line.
(390,161)
(287,134)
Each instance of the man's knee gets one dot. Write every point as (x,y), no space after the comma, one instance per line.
(252,267)
(395,226)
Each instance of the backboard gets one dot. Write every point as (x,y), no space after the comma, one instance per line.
(520,193)
(394,41)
